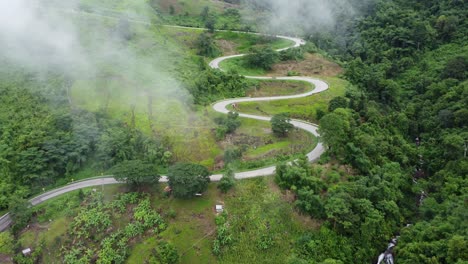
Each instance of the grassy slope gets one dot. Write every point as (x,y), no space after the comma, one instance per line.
(244,42)
(254,205)
(192,7)
(255,208)
(117,96)
(52,220)
(240,42)
(237,65)
(193,224)
(302,108)
(277,88)
(258,213)
(264,154)
(187,13)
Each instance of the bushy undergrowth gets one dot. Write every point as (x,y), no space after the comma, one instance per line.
(101,232)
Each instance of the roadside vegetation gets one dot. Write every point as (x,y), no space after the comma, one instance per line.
(310,108)
(205,14)
(394,130)
(84,126)
(400,132)
(69,228)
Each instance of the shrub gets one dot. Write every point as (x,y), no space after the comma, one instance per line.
(227,181)
(296,54)
(187,179)
(206,46)
(281,124)
(230,121)
(20,213)
(6,243)
(261,58)
(232,154)
(164,253)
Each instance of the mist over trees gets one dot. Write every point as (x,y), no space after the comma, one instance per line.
(402,132)
(396,142)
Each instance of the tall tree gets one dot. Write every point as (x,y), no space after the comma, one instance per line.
(135,172)
(281,124)
(263,58)
(188,179)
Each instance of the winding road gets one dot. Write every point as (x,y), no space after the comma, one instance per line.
(221,107)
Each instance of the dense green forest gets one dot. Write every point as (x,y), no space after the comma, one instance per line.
(403,130)
(397,141)
(44,139)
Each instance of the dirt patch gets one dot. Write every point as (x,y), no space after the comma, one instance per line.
(242,139)
(165,5)
(308,221)
(274,88)
(5,259)
(227,47)
(35,227)
(219,162)
(225,4)
(313,64)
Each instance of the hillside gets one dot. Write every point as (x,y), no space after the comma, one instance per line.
(130,90)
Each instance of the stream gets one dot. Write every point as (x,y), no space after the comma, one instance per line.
(387,256)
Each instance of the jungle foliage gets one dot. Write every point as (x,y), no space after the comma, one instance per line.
(44,139)
(402,130)
(187,179)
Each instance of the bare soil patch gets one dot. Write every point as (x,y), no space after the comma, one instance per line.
(5,259)
(225,4)
(239,139)
(165,5)
(274,88)
(313,64)
(227,47)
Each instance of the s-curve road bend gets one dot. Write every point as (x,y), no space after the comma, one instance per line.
(221,107)
(319,85)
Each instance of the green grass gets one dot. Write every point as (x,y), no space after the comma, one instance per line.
(237,65)
(277,88)
(301,108)
(267,148)
(194,220)
(189,134)
(52,221)
(192,7)
(261,146)
(263,149)
(252,205)
(187,13)
(89,170)
(244,42)
(256,209)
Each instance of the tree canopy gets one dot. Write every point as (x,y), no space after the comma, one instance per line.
(188,179)
(281,124)
(262,58)
(135,172)
(227,181)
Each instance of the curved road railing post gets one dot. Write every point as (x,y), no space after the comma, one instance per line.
(221,107)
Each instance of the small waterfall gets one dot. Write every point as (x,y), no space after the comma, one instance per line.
(387,256)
